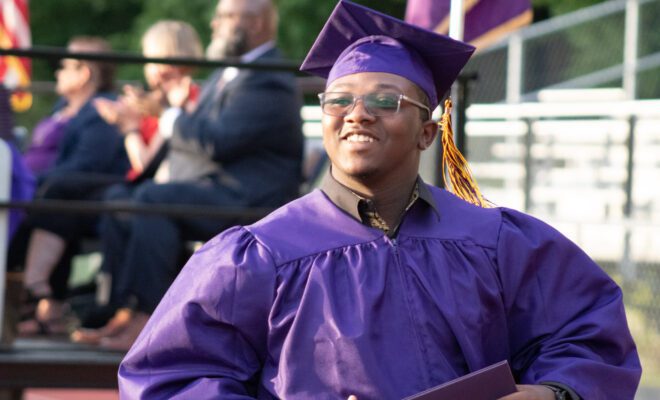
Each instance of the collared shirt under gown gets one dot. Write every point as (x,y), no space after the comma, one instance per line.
(311,304)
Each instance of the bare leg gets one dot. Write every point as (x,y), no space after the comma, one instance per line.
(44,252)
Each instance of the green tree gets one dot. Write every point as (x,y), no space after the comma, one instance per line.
(54,22)
(302,20)
(558,7)
(122,22)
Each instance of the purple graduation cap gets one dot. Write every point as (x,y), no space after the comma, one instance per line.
(358,39)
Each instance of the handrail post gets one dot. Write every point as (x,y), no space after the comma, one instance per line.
(528,163)
(630,50)
(628,267)
(5,187)
(514,69)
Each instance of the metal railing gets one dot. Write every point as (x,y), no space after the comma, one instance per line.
(5,182)
(528,155)
(612,44)
(590,168)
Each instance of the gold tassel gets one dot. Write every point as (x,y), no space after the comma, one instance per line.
(454,165)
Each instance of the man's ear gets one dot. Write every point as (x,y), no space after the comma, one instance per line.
(429,132)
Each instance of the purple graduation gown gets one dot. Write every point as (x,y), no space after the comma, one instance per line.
(310,304)
(23,186)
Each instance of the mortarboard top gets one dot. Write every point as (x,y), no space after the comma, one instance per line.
(358,39)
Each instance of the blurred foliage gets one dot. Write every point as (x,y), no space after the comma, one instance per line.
(122,22)
(648,29)
(648,82)
(558,7)
(301,20)
(573,52)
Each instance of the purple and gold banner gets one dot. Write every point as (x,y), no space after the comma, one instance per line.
(486,21)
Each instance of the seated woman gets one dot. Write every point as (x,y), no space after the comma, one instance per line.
(136,113)
(90,154)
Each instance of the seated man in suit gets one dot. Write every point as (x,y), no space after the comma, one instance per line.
(379,285)
(240,146)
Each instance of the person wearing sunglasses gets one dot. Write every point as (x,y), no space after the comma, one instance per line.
(378,285)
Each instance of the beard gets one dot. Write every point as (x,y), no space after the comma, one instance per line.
(227,47)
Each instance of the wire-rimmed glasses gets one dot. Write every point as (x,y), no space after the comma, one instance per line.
(377,104)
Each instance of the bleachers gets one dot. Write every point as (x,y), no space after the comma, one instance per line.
(569,161)
(52,363)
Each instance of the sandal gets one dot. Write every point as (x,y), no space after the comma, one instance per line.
(51,318)
(29,303)
(115,326)
(124,339)
(34,327)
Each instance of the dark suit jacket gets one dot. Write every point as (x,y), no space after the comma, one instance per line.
(89,145)
(251,130)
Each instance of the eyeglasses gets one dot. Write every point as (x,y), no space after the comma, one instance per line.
(340,104)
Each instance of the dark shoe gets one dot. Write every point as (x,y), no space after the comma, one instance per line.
(97,316)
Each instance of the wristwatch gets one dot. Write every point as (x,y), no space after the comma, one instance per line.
(560,394)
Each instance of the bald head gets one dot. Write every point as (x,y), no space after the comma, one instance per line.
(240,26)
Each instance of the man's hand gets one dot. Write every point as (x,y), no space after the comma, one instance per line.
(531,392)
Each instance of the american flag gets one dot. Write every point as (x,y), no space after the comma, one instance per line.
(486,21)
(15,33)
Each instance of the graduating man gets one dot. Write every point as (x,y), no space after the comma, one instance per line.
(379,285)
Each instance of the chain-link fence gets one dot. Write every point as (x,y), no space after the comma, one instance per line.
(591,169)
(613,44)
(648,80)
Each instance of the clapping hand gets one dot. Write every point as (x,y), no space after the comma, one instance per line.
(146,103)
(118,113)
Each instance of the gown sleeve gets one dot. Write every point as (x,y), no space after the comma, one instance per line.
(201,342)
(566,319)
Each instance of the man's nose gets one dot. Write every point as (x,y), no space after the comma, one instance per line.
(359,112)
